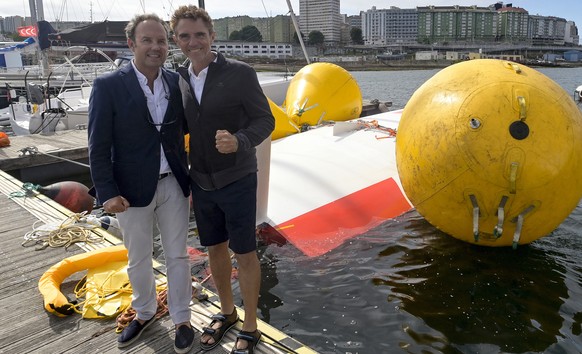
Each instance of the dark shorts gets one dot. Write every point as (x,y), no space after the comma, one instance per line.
(228,214)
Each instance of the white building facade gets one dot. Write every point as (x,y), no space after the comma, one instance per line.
(254,49)
(323,16)
(388,26)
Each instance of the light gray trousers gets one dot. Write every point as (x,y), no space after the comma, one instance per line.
(170,209)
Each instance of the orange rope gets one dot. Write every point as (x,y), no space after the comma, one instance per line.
(124,318)
(374,125)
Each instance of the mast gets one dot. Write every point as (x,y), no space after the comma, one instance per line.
(37,14)
(297,30)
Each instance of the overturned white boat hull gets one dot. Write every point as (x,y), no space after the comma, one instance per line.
(331,183)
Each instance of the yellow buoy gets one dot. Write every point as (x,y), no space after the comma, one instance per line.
(490,152)
(322,91)
(283,125)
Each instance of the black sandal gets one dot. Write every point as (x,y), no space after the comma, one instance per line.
(252,338)
(228,321)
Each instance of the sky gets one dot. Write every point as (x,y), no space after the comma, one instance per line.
(121,10)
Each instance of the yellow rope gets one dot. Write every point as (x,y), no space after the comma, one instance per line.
(71,230)
(100,292)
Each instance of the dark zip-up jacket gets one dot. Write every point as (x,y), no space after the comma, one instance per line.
(232,100)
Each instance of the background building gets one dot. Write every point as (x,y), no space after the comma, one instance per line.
(452,24)
(273,29)
(323,16)
(11,23)
(571,34)
(512,24)
(547,30)
(254,49)
(388,26)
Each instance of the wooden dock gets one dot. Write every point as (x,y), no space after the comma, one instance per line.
(35,158)
(27,327)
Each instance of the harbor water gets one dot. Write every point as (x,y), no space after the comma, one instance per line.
(407,287)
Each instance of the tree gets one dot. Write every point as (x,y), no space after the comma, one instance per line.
(296,39)
(315,37)
(16,37)
(234,36)
(251,34)
(356,35)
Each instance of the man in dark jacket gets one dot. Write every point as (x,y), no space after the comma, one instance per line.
(228,116)
(139,170)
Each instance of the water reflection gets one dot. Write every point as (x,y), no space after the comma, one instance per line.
(473,295)
(406,287)
(269,280)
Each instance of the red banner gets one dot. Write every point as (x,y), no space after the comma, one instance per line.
(28,31)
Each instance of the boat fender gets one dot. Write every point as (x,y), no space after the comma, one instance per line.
(49,283)
(70,194)
(111,225)
(4,140)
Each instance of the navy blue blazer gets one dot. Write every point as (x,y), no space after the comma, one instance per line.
(124,147)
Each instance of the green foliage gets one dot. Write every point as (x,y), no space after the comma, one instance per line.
(315,37)
(296,39)
(247,34)
(251,34)
(234,36)
(16,37)
(356,35)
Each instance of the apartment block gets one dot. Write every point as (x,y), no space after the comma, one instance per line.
(571,35)
(388,26)
(323,16)
(456,24)
(513,24)
(547,30)
(11,23)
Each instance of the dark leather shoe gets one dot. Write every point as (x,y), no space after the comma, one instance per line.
(184,339)
(132,332)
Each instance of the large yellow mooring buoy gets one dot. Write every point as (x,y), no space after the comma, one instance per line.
(322,91)
(283,125)
(490,152)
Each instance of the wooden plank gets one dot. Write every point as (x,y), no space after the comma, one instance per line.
(68,144)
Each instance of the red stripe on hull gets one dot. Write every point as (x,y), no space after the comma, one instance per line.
(327,227)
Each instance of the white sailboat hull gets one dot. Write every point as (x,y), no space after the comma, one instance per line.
(331,183)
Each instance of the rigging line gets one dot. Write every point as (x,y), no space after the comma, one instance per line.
(51,11)
(25,8)
(62,10)
(265,8)
(34,150)
(103,12)
(171,8)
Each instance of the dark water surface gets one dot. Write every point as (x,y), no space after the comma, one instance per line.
(407,287)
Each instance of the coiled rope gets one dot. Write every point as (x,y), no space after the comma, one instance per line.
(62,234)
(125,317)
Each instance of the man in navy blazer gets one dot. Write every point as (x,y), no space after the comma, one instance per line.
(139,171)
